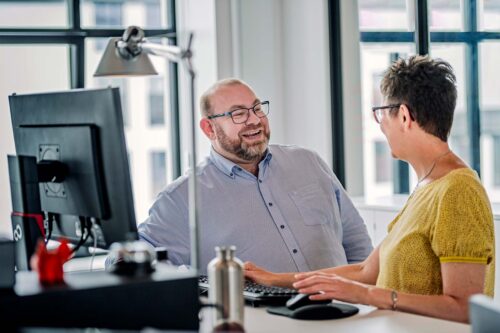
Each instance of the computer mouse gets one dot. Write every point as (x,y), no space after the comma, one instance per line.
(301,300)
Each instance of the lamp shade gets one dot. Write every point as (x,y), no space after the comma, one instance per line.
(114,64)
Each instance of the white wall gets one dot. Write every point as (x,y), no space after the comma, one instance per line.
(353,111)
(280,47)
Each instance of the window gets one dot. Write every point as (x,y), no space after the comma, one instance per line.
(108,14)
(470,41)
(156,107)
(496,159)
(158,172)
(383,162)
(33,59)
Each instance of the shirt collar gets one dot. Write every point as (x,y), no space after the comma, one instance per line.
(228,167)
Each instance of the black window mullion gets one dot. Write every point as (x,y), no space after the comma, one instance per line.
(337,120)
(77,64)
(74,14)
(422,38)
(472,84)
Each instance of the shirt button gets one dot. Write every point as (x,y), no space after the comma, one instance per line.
(231,174)
(239,169)
(282,226)
(294,251)
(260,180)
(270,204)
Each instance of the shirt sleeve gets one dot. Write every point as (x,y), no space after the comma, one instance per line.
(167,226)
(355,239)
(463,230)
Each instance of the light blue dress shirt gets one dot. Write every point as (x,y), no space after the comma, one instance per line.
(295,216)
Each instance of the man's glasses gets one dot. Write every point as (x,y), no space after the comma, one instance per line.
(378,111)
(240,115)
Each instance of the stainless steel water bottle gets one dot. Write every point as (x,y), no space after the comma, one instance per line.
(225,278)
(236,281)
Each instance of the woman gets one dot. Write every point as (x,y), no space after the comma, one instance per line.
(440,247)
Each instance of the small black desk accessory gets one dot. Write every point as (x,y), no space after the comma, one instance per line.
(301,307)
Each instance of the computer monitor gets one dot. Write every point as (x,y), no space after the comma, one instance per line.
(80,131)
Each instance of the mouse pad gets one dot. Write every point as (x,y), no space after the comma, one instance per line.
(316,311)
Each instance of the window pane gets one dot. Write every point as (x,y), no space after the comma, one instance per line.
(141,136)
(489,14)
(383,162)
(34,14)
(388,15)
(490,117)
(455,55)
(105,14)
(156,106)
(25,69)
(375,58)
(446,15)
(158,172)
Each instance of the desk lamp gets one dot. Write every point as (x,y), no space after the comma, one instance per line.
(128,56)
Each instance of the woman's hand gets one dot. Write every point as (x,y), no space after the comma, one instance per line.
(331,286)
(259,275)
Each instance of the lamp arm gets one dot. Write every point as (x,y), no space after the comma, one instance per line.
(171,52)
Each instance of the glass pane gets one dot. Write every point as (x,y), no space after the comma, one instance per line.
(455,55)
(489,14)
(489,100)
(387,15)
(158,172)
(446,15)
(117,14)
(25,69)
(34,14)
(156,102)
(375,59)
(141,136)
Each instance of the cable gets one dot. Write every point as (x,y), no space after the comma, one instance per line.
(84,226)
(94,236)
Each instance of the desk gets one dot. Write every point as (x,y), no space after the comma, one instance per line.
(368,320)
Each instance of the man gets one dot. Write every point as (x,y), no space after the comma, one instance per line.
(281,206)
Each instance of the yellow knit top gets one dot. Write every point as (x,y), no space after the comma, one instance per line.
(447,220)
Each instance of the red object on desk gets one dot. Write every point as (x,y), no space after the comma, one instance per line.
(49,264)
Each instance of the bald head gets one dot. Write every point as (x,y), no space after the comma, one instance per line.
(206,99)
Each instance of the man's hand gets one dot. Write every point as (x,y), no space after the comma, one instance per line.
(258,274)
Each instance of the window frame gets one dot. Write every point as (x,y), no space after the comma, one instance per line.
(75,36)
(422,38)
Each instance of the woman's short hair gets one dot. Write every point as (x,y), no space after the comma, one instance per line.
(428,87)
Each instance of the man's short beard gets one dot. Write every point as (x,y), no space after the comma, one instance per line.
(240,148)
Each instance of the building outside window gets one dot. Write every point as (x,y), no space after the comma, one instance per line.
(158,172)
(387,28)
(496,158)
(156,105)
(383,162)
(32,61)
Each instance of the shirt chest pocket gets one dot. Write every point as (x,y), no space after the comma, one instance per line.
(313,203)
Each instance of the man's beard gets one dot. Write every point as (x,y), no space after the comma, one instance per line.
(242,149)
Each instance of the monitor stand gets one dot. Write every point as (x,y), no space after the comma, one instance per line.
(166,299)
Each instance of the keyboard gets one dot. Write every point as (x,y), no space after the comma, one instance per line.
(257,294)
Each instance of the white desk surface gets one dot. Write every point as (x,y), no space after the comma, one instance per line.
(368,320)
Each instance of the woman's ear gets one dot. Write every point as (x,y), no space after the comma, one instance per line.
(207,128)
(406,117)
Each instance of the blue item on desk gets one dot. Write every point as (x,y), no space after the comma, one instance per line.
(301,307)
